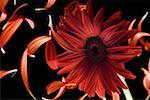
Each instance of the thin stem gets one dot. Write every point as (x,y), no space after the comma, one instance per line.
(126,92)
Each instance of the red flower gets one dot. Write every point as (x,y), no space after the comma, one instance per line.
(94,54)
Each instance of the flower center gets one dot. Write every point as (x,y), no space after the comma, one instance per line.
(95,49)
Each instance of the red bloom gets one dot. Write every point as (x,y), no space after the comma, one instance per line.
(94,55)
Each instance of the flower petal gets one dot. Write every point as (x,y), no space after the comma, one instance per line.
(98,20)
(50,55)
(24,75)
(31,48)
(9,31)
(47,6)
(52,87)
(60,93)
(89,9)
(3,16)
(115,96)
(3,3)
(36,43)
(30,22)
(6,72)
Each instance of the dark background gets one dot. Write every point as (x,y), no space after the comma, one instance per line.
(39,73)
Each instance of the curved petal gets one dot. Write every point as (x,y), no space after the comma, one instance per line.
(50,55)
(3,3)
(60,93)
(9,31)
(6,72)
(31,48)
(30,22)
(24,75)
(115,96)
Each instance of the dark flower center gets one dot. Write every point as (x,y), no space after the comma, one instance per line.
(95,49)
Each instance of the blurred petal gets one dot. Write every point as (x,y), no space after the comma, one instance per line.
(6,72)
(131,24)
(30,22)
(3,16)
(3,3)
(9,31)
(54,86)
(115,96)
(50,55)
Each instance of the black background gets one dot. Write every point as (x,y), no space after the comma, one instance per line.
(39,73)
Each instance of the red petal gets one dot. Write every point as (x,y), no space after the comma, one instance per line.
(98,20)
(6,72)
(89,9)
(114,19)
(3,3)
(50,55)
(87,24)
(50,3)
(9,31)
(30,22)
(54,86)
(67,68)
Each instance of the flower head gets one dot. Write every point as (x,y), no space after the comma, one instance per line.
(94,54)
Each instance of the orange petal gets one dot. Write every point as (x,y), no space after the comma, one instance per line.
(50,55)
(52,87)
(3,16)
(131,25)
(48,5)
(137,37)
(9,31)
(146,72)
(24,75)
(141,21)
(115,96)
(36,43)
(30,22)
(146,83)
(60,93)
(6,72)
(31,48)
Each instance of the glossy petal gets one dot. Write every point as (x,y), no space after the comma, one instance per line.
(30,22)
(6,72)
(3,3)
(3,16)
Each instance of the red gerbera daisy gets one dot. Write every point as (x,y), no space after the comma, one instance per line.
(94,55)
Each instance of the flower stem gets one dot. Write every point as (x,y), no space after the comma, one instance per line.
(126,91)
(148,97)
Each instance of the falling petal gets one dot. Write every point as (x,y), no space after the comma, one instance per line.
(30,22)
(31,48)
(24,75)
(3,16)
(54,86)
(6,72)
(115,96)
(8,32)
(141,21)
(48,5)
(36,43)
